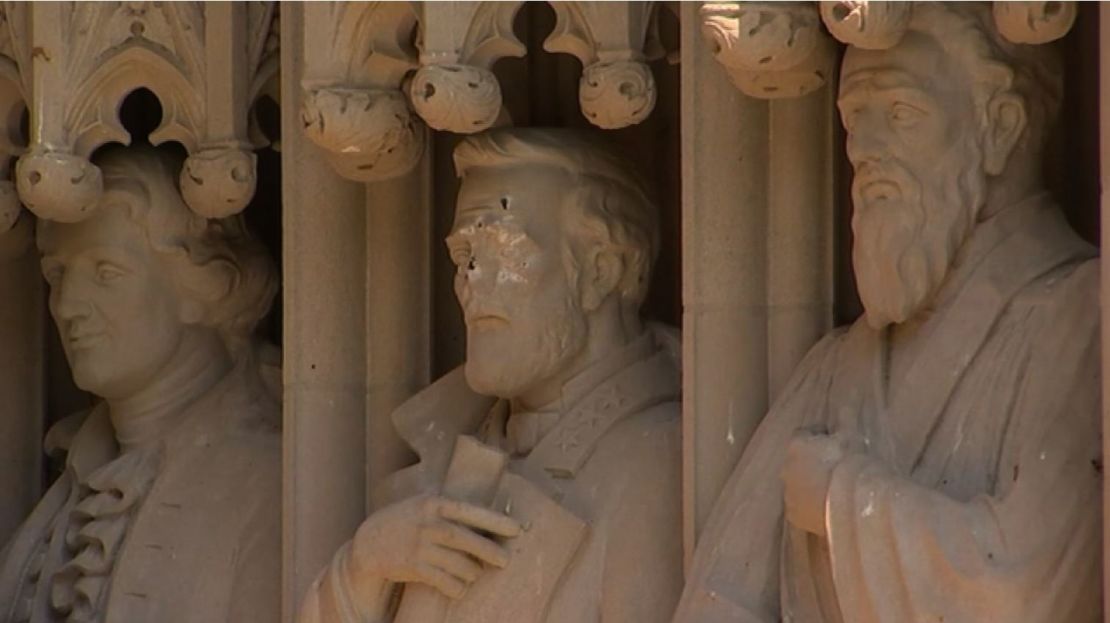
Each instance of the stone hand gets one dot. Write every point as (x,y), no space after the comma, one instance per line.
(806,476)
(433,540)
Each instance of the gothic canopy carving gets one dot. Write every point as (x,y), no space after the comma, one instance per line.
(778,49)
(378,74)
(206,63)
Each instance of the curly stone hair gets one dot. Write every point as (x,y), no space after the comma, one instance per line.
(218,262)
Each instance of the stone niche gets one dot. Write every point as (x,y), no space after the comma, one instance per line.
(330,129)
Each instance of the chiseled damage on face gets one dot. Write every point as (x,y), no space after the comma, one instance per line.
(523,317)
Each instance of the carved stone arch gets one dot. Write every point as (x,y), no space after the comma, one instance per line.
(202,60)
(97,115)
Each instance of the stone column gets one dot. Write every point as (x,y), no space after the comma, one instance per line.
(724,260)
(398,310)
(324,227)
(22,370)
(1104,206)
(800,217)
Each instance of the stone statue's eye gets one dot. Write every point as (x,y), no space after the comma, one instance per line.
(106,273)
(904,113)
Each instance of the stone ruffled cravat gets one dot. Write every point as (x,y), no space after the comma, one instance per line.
(97,526)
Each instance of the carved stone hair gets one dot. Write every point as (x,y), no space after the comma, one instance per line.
(606,195)
(218,263)
(967,32)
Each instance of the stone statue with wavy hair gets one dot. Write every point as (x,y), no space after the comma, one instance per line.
(939,459)
(547,489)
(168,507)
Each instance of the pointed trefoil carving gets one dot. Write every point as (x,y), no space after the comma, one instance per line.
(206,62)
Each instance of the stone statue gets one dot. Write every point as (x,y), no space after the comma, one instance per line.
(548,487)
(939,459)
(168,508)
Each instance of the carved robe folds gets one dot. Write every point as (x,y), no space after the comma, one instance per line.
(599,493)
(180,530)
(976,493)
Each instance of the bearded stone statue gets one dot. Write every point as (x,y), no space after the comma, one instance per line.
(548,487)
(168,508)
(938,460)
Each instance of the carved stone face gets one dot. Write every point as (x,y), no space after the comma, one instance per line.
(113,299)
(524,319)
(919,183)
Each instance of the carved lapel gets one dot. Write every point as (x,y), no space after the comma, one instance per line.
(1039,242)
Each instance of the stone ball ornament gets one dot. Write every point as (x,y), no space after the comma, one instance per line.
(760,36)
(456,98)
(770,50)
(866,24)
(617,94)
(368,134)
(1034,22)
(58,186)
(219,182)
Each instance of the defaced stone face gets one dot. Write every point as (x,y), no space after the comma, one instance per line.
(564,418)
(522,314)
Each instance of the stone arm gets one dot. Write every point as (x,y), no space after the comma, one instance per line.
(331,598)
(1027,553)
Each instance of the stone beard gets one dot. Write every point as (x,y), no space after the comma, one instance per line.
(939,459)
(504,352)
(908,230)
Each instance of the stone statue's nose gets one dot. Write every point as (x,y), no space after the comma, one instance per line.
(70,303)
(865,145)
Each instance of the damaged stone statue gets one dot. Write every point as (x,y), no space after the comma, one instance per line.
(939,459)
(168,507)
(548,487)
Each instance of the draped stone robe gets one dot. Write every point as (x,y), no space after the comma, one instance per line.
(596,478)
(975,493)
(185,529)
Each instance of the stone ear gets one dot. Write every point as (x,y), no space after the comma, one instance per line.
(1007,121)
(600,276)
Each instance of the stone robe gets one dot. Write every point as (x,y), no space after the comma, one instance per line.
(975,495)
(600,494)
(186,529)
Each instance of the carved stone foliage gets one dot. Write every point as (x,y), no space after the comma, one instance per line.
(356,56)
(14,51)
(778,49)
(617,88)
(770,49)
(206,62)
(454,89)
